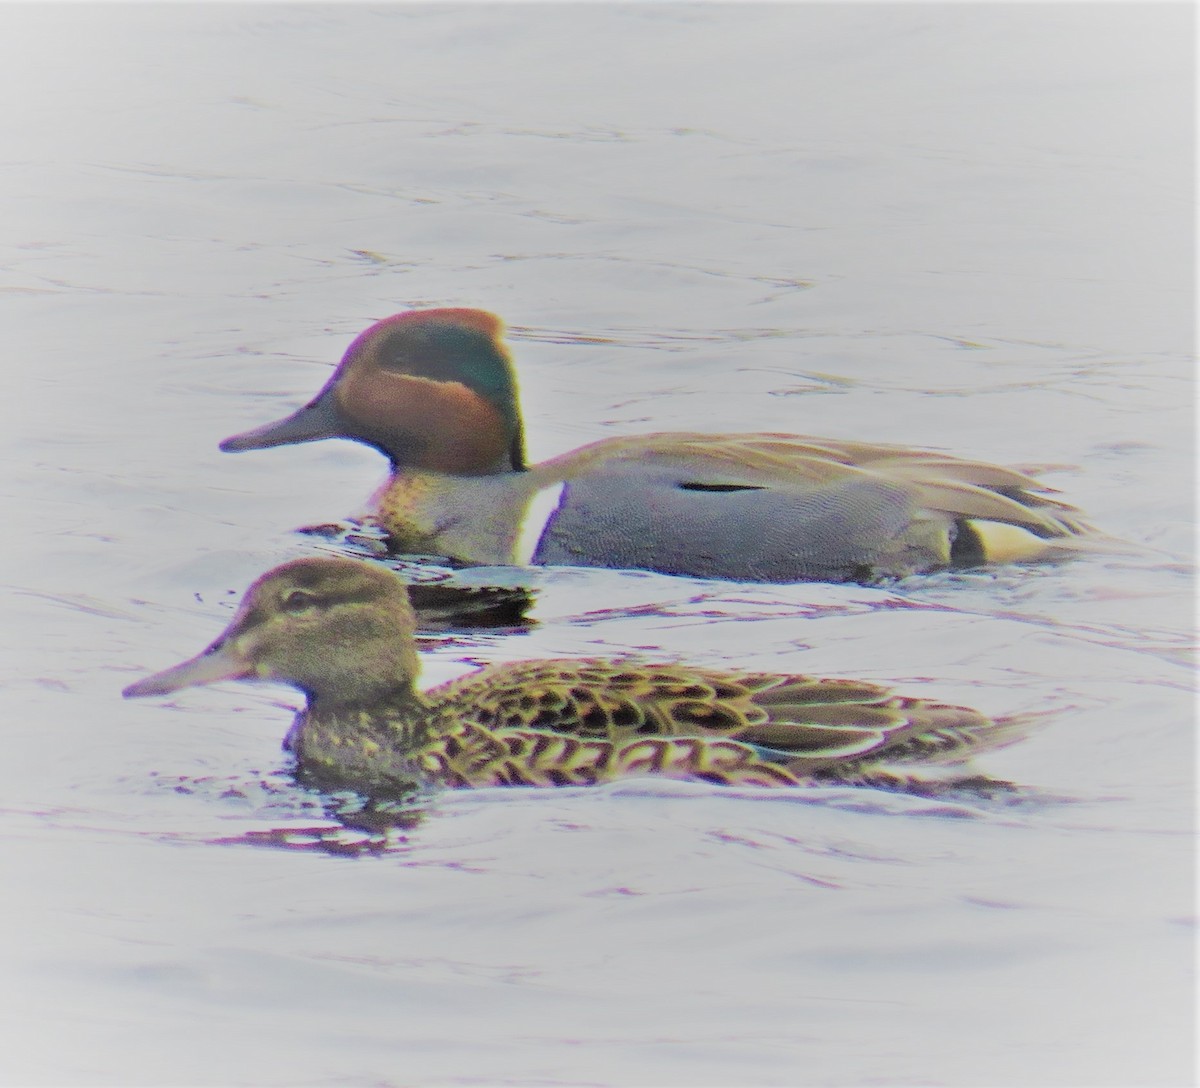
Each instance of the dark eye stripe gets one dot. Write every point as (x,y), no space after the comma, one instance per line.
(301,600)
(297,600)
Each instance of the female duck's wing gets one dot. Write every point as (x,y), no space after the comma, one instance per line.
(568,710)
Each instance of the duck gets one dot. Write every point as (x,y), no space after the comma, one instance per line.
(435,391)
(341,631)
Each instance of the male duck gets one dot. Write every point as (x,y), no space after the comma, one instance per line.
(435,391)
(341,631)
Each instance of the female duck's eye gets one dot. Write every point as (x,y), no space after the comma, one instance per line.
(297,600)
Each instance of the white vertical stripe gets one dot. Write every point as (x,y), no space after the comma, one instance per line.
(542,506)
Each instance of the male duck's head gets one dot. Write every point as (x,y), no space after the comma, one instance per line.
(340,630)
(432,389)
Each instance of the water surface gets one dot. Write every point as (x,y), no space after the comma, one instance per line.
(965,226)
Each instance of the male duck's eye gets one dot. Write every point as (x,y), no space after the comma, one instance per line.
(297,600)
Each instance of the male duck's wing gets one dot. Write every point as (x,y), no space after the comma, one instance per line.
(950,485)
(780,508)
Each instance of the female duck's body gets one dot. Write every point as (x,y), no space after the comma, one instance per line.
(342,632)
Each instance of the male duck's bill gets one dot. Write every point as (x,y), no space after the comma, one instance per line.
(435,391)
(341,631)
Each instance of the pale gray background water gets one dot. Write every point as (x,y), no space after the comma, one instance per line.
(963,226)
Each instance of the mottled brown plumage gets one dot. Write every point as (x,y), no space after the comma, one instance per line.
(342,632)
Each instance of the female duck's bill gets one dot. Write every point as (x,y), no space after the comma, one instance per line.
(210,666)
(341,631)
(436,393)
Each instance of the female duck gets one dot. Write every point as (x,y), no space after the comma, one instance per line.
(434,390)
(341,631)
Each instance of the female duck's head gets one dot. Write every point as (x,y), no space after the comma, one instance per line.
(340,630)
(431,389)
